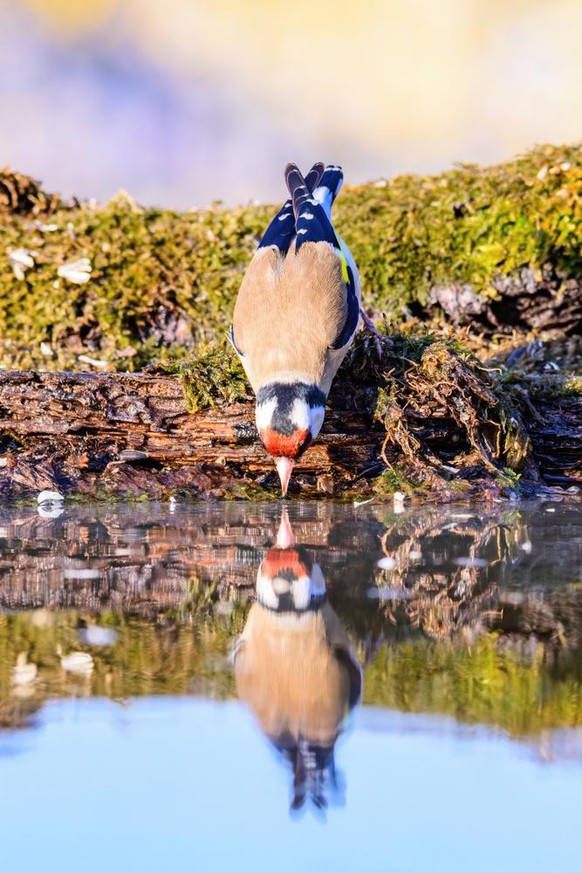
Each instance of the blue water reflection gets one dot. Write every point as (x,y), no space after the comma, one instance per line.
(127,632)
(187,785)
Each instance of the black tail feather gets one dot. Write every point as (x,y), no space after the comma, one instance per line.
(282,228)
(297,188)
(313,178)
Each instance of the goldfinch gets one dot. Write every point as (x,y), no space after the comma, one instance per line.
(296,314)
(293,665)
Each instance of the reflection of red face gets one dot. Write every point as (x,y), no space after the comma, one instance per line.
(286,562)
(287,446)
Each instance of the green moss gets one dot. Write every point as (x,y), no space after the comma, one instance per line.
(467,226)
(211,377)
(395,479)
(484,683)
(160,281)
(163,280)
(509,479)
(573,386)
(250,491)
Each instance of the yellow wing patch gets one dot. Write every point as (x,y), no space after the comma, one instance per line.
(345,274)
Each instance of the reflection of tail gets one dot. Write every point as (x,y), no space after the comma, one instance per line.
(310,764)
(294,667)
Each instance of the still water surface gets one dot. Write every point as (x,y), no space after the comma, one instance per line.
(235,686)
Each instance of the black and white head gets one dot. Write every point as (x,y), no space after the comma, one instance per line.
(289,416)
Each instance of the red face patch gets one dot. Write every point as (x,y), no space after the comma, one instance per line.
(291,446)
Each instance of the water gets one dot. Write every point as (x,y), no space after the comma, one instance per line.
(218,687)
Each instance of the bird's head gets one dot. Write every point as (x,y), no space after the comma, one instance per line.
(289,417)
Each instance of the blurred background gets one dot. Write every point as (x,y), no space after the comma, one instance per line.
(182,102)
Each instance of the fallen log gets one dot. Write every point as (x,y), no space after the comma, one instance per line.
(425,416)
(131,434)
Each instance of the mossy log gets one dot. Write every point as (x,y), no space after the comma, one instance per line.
(119,286)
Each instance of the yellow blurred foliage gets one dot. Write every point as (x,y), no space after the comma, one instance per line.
(72,16)
(377,85)
(452,74)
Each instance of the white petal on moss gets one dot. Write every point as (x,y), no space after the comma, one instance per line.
(24,673)
(78,272)
(21,260)
(95,362)
(49,497)
(77,662)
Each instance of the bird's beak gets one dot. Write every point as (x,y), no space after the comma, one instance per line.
(284,469)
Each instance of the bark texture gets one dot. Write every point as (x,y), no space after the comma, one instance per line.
(441,424)
(128,435)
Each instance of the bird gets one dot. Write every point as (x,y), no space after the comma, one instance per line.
(295,316)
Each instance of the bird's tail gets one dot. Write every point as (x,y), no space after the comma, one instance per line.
(281,230)
(313,178)
(322,185)
(328,187)
(298,188)
(312,216)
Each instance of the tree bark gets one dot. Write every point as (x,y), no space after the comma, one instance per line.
(119,434)
(103,435)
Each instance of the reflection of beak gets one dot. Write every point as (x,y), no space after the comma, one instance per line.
(284,469)
(285,535)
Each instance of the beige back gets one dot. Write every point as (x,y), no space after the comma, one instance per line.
(288,312)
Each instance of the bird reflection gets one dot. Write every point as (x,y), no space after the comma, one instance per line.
(294,668)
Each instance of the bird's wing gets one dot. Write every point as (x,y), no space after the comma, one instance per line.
(280,231)
(312,212)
